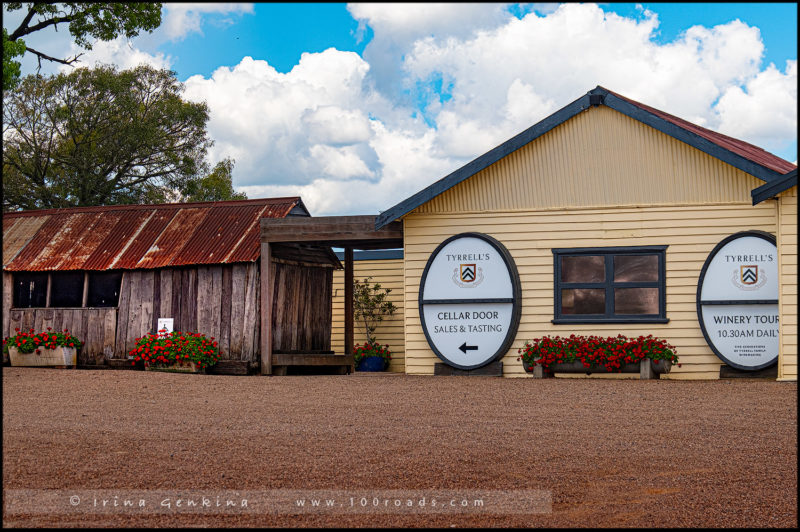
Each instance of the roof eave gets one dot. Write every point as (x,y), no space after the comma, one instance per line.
(775,187)
(485,160)
(690,138)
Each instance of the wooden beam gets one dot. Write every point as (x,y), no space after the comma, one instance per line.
(266,310)
(331,229)
(348,301)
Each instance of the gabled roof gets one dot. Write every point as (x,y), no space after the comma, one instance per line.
(773,188)
(739,154)
(139,236)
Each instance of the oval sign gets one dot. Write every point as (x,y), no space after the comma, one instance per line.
(737,300)
(470,300)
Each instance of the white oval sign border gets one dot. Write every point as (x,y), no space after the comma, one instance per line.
(725,241)
(516,312)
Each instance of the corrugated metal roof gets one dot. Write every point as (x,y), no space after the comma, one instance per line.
(745,149)
(137,236)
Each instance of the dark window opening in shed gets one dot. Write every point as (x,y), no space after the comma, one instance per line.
(30,290)
(104,289)
(619,285)
(66,289)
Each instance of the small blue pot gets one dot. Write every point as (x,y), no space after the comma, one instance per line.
(372,364)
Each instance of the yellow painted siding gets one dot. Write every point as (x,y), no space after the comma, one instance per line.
(389,273)
(691,232)
(787,262)
(598,158)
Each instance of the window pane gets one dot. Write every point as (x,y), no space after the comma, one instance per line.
(104,289)
(636,301)
(583,301)
(66,289)
(30,290)
(633,268)
(584,269)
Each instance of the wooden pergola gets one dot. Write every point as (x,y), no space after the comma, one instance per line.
(348,232)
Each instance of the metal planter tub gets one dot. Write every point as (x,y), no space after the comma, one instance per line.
(178,367)
(647,369)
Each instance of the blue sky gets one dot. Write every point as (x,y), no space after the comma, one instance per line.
(280,33)
(343,102)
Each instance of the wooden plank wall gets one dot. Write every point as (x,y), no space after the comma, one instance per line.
(301,307)
(389,273)
(222,301)
(95,327)
(218,301)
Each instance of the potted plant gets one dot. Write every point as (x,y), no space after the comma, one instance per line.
(595,354)
(48,348)
(371,357)
(176,352)
(370,305)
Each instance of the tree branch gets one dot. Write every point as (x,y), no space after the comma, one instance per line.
(24,24)
(41,56)
(24,29)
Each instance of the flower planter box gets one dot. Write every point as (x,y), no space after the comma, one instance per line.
(372,364)
(179,367)
(60,356)
(647,369)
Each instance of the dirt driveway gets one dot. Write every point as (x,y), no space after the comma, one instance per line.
(507,452)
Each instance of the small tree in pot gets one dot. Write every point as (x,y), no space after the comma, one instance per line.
(370,305)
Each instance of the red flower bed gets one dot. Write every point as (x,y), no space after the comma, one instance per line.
(611,352)
(28,342)
(170,348)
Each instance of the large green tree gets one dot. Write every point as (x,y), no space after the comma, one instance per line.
(215,185)
(85,20)
(100,137)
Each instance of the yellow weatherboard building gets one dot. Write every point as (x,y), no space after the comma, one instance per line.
(606,179)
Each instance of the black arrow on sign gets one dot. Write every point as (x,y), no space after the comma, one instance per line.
(464,347)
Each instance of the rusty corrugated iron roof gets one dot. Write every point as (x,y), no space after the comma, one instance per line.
(138,236)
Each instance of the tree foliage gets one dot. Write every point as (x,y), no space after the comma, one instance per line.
(11,68)
(100,137)
(86,20)
(216,185)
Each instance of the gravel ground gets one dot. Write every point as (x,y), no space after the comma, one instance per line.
(607,453)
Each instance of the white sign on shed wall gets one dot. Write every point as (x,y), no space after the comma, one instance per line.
(737,300)
(470,300)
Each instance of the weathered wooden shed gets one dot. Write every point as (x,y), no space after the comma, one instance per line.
(109,273)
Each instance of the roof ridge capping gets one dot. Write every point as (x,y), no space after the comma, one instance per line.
(147,206)
(742,155)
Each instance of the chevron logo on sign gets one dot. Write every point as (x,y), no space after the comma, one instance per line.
(749,274)
(467,273)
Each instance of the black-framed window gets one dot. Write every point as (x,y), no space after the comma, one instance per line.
(613,284)
(104,289)
(30,289)
(66,289)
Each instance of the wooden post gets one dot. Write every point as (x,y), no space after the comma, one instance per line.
(85,297)
(646,369)
(49,286)
(266,310)
(348,301)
